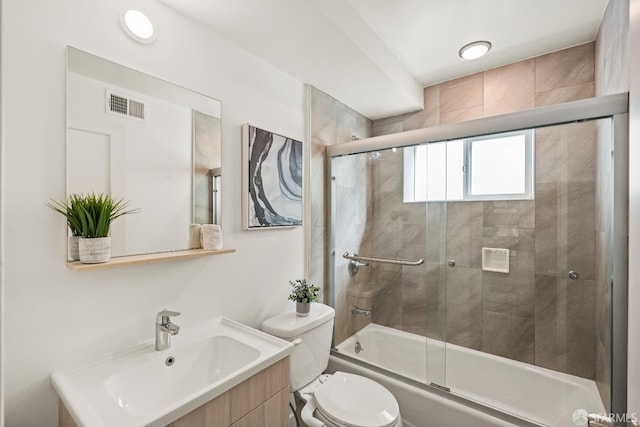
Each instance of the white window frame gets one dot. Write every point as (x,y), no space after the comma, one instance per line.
(529,169)
(409,168)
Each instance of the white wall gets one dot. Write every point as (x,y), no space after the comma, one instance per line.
(54,317)
(633,359)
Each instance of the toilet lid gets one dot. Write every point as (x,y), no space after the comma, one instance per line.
(356,401)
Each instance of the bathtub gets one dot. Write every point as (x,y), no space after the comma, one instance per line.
(485,390)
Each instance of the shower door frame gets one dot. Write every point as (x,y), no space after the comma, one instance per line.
(614,107)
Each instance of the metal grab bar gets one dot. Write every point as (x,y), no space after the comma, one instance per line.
(356,258)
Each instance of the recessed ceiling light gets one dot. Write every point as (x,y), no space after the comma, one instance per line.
(138,26)
(474,50)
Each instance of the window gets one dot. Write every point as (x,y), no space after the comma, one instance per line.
(493,167)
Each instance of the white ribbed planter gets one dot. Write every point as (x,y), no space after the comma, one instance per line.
(73,253)
(94,251)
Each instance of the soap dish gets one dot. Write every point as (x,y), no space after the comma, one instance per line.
(495,259)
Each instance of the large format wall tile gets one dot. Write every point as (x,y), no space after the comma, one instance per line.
(509,213)
(461,94)
(332,122)
(431,112)
(387,210)
(416,301)
(387,128)
(324,113)
(464,233)
(549,235)
(509,88)
(566,153)
(316,263)
(612,69)
(565,233)
(345,124)
(435,282)
(461,115)
(386,171)
(568,67)
(341,292)
(414,241)
(436,232)
(464,322)
(612,76)
(387,297)
(581,229)
(318,193)
(565,94)
(508,336)
(511,293)
(565,323)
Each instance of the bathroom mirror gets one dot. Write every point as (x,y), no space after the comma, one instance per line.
(150,142)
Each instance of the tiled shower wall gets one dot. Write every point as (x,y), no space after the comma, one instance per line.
(612,76)
(332,122)
(539,317)
(534,314)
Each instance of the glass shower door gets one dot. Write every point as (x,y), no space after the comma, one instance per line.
(527,280)
(425,192)
(388,268)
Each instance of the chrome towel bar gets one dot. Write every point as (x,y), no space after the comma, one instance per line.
(367,259)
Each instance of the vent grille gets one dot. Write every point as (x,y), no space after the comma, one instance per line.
(122,106)
(118,104)
(136,109)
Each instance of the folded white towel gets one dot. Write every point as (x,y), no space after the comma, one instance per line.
(211,235)
(194,236)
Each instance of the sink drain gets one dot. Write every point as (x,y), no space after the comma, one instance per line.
(170,361)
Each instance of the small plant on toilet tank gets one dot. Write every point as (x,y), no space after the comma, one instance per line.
(303,293)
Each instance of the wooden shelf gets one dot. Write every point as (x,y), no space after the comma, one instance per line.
(147,259)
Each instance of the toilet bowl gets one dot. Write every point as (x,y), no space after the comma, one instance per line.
(331,400)
(348,400)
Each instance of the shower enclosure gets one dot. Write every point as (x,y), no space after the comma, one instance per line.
(472,255)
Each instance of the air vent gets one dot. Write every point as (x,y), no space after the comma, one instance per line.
(119,105)
(136,109)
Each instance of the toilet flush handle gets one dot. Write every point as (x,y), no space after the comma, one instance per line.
(297,341)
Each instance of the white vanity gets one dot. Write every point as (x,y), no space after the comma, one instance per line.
(218,373)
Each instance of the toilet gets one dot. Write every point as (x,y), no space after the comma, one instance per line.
(336,400)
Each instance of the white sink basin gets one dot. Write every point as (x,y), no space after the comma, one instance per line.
(144,387)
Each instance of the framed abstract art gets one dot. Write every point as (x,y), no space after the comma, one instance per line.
(272,180)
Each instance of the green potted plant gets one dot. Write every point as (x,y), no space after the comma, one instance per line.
(69,208)
(303,293)
(90,216)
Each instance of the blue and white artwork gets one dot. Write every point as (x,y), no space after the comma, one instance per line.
(273,169)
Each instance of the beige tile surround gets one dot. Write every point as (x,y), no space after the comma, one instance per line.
(562,76)
(518,319)
(479,305)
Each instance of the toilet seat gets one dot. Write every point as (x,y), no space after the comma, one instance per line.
(353,401)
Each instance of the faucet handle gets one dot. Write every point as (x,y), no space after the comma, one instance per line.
(164,315)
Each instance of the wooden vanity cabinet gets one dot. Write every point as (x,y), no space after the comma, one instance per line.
(260,401)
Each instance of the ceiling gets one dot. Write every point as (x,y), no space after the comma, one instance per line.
(377,55)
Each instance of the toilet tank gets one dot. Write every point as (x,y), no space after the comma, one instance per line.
(311,336)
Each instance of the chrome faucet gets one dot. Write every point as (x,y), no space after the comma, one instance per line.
(164,329)
(362,311)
